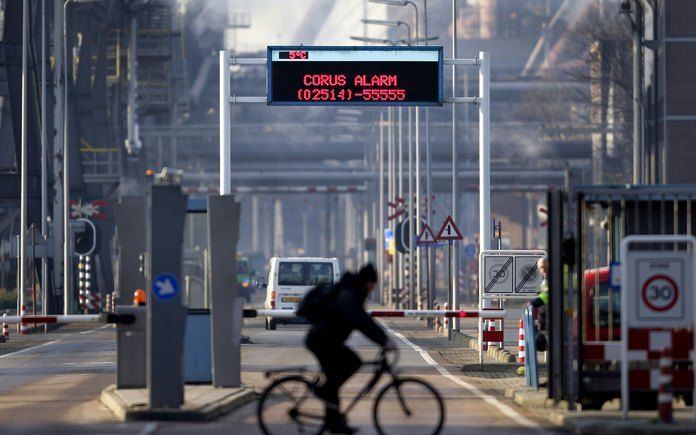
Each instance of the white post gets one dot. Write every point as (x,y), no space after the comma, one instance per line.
(24,155)
(44,164)
(67,255)
(225,134)
(453,258)
(484,173)
(417,228)
(380,235)
(413,304)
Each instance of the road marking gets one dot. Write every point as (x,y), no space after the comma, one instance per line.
(95,329)
(502,407)
(148,429)
(29,348)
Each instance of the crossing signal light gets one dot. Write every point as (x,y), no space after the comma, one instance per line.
(85,238)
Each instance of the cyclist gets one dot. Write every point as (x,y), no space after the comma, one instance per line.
(343,312)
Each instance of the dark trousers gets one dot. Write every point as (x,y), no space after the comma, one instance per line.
(338,363)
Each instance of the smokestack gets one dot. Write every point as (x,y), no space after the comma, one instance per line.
(487,19)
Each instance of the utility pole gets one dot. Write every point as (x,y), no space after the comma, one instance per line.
(58,146)
(637,93)
(23,209)
(44,165)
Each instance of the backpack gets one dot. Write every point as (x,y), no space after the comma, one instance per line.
(314,306)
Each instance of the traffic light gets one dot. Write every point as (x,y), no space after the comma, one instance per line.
(85,241)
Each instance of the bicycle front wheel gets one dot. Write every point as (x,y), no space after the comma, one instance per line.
(289,406)
(408,405)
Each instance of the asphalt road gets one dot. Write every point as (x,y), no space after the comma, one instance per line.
(54,387)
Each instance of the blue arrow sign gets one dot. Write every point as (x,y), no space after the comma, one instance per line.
(165,286)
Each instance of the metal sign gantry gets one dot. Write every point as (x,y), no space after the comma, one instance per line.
(482,100)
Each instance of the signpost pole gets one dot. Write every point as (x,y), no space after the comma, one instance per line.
(454,274)
(449,262)
(414,297)
(484,173)
(417,229)
(380,238)
(400,191)
(225,133)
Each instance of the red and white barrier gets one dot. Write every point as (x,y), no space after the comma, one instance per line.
(69,318)
(520,343)
(664,396)
(446,314)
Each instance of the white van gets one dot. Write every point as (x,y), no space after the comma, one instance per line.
(290,278)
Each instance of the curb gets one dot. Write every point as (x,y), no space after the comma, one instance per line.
(500,355)
(206,412)
(593,422)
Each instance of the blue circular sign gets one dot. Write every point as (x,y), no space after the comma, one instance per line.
(165,286)
(470,250)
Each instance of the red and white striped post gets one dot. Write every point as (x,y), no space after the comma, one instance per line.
(23,329)
(5,329)
(437,319)
(520,343)
(445,321)
(664,396)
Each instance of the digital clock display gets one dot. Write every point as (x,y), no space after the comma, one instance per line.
(355,76)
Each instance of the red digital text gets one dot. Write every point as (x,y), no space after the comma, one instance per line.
(342,87)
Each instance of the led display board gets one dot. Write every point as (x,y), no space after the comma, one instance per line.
(362,76)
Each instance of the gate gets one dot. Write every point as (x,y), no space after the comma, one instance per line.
(585,231)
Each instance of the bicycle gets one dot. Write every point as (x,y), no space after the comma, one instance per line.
(290,401)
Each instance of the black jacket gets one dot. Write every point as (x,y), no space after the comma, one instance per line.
(344,314)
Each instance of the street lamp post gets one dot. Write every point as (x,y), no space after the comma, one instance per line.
(390,23)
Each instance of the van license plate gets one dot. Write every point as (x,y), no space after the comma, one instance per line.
(290,299)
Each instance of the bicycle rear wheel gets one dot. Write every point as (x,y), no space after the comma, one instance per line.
(289,406)
(408,405)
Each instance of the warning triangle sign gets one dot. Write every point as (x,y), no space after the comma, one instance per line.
(427,236)
(449,230)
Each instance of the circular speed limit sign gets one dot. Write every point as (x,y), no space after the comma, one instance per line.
(660,293)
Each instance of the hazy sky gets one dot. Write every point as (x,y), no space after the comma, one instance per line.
(278,21)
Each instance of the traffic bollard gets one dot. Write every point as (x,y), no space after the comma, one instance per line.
(520,343)
(23,328)
(5,329)
(664,396)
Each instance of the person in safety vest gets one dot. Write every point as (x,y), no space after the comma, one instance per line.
(543,298)
(540,301)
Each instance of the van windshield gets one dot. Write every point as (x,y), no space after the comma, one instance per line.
(290,273)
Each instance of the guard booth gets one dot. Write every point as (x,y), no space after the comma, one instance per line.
(586,227)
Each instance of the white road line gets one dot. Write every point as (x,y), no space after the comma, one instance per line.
(502,407)
(29,348)
(148,429)
(95,329)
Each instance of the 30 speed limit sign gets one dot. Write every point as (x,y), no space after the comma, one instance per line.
(658,287)
(660,293)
